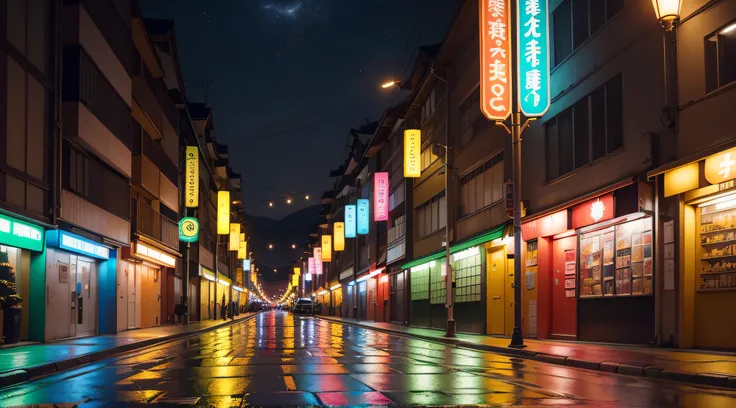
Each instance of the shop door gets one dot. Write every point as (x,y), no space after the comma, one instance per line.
(361,300)
(563,313)
(131,274)
(151,295)
(397,298)
(496,303)
(371,300)
(86,292)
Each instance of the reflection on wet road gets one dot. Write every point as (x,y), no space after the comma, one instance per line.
(277,359)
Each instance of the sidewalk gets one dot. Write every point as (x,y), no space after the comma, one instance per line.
(19,364)
(689,366)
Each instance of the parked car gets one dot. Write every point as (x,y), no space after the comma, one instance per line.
(302,306)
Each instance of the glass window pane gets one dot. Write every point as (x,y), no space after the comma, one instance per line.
(16,29)
(38,24)
(15,192)
(564,135)
(37,129)
(614,115)
(711,64)
(582,133)
(598,123)
(36,199)
(579,22)
(551,162)
(613,7)
(562,31)
(15,154)
(597,15)
(727,57)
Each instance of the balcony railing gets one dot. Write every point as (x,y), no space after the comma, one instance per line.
(152,224)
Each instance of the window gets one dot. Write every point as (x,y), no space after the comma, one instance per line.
(397,196)
(467,276)
(420,282)
(429,106)
(574,21)
(27,121)
(398,230)
(437,285)
(431,216)
(96,183)
(428,156)
(587,131)
(720,58)
(482,186)
(471,120)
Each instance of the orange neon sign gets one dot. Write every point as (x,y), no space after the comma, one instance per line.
(495,59)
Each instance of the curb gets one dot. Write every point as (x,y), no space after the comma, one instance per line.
(709,379)
(17,376)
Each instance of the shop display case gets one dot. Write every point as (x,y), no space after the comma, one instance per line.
(718,247)
(617,260)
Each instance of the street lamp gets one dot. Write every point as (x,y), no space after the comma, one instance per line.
(270,246)
(389,84)
(668,12)
(293,246)
(449,303)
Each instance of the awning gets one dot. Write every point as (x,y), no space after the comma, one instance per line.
(495,233)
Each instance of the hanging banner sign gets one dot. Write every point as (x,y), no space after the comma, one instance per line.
(338,230)
(412,153)
(191,199)
(234,242)
(188,229)
(295,280)
(363,216)
(350,219)
(308,276)
(242,250)
(318,261)
(380,197)
(223,212)
(312,267)
(326,248)
(533,56)
(246,265)
(495,59)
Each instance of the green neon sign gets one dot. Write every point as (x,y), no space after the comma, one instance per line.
(188,229)
(20,234)
(532,39)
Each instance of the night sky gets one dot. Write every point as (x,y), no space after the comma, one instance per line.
(290,78)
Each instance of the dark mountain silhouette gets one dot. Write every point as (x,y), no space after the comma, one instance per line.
(292,229)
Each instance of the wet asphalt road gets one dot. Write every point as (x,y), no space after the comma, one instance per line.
(277,359)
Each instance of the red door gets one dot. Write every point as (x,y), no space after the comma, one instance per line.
(564,309)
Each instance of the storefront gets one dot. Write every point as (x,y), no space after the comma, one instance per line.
(212,291)
(470,275)
(398,296)
(142,286)
(372,294)
(590,269)
(335,298)
(348,293)
(699,248)
(81,287)
(22,257)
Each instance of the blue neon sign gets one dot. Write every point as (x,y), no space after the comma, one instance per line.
(532,39)
(363,216)
(75,243)
(350,221)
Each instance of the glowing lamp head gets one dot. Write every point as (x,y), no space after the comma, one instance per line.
(389,84)
(288,201)
(307,197)
(270,203)
(270,246)
(668,12)
(293,246)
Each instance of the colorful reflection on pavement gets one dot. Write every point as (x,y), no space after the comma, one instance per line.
(277,359)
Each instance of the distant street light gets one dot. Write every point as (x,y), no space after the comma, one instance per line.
(293,246)
(270,246)
(389,84)
(270,203)
(307,197)
(288,201)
